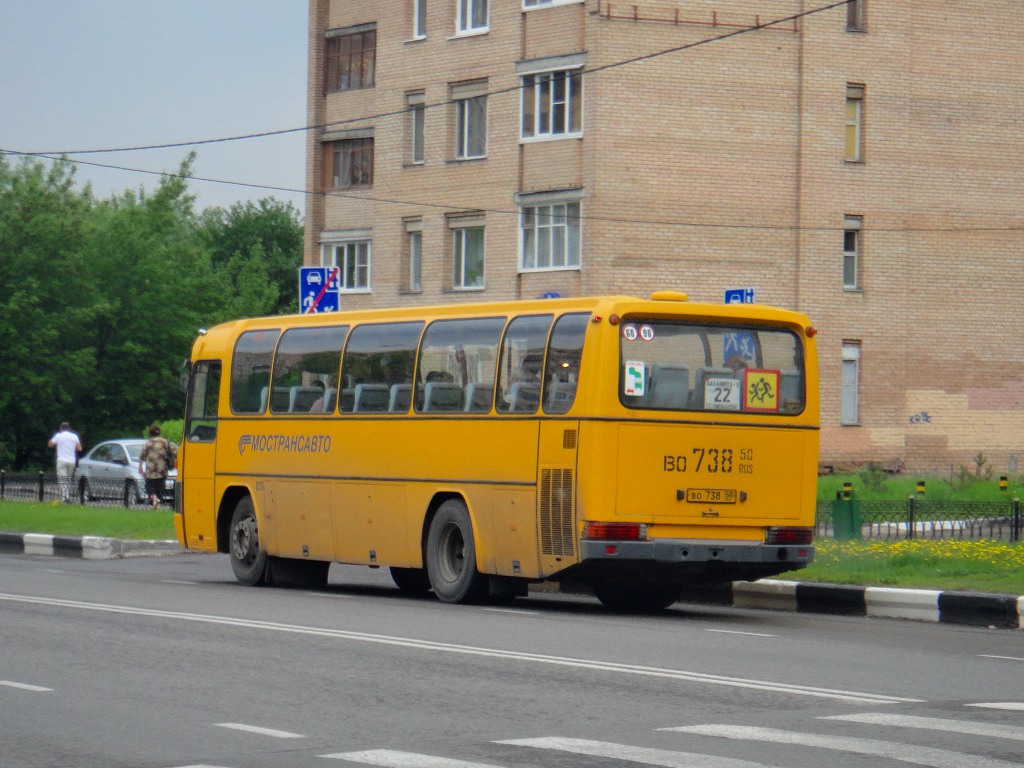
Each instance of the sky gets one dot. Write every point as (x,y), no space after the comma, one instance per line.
(101,74)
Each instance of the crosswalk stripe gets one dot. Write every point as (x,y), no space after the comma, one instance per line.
(929,756)
(642,755)
(261,731)
(24,686)
(1009,706)
(933,724)
(389,758)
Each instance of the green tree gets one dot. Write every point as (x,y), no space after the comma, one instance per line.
(256,250)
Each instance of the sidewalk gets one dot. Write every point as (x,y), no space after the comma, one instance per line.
(966,608)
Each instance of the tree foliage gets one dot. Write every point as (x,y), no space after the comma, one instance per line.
(100,300)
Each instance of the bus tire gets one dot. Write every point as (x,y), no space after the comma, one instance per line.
(451,556)
(248,561)
(411,581)
(637,598)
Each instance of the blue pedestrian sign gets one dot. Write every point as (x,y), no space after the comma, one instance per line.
(739,296)
(319,290)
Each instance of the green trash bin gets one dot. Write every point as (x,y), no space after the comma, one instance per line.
(846,519)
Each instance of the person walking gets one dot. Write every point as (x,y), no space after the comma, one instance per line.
(156,461)
(68,447)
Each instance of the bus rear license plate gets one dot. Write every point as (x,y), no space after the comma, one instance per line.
(710,496)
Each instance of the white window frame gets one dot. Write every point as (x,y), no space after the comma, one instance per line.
(533,87)
(550,231)
(468,125)
(855,16)
(464,22)
(354,259)
(853,119)
(414,245)
(415,103)
(460,235)
(850,409)
(852,226)
(419,19)
(531,4)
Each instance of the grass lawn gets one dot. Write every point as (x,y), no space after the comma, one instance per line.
(75,520)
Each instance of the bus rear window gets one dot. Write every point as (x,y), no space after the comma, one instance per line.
(694,367)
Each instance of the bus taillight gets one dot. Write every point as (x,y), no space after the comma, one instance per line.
(615,531)
(788,535)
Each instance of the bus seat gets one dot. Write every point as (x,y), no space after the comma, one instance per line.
(400,398)
(669,385)
(559,396)
(479,397)
(442,396)
(524,397)
(329,394)
(702,374)
(280,399)
(302,398)
(263,399)
(370,398)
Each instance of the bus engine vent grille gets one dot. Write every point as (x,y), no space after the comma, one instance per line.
(556,518)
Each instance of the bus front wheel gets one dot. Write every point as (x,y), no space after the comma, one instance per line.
(451,556)
(247,560)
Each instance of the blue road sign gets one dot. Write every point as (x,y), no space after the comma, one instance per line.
(739,296)
(319,290)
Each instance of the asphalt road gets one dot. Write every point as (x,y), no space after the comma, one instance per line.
(166,662)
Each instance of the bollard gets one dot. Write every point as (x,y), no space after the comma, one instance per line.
(910,517)
(3,482)
(40,486)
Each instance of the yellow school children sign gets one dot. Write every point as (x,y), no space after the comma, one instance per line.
(760,390)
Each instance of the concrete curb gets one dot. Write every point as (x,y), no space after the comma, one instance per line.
(87,547)
(974,609)
(968,608)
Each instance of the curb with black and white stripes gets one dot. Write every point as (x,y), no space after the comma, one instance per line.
(970,608)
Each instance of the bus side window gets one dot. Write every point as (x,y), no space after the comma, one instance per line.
(456,365)
(201,411)
(250,370)
(305,368)
(378,357)
(565,350)
(521,364)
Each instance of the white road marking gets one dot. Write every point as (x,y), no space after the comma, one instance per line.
(179,581)
(261,731)
(933,724)
(392,759)
(857,697)
(928,756)
(1005,658)
(735,632)
(514,611)
(24,686)
(1009,706)
(642,755)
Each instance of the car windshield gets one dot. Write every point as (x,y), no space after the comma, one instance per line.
(135,451)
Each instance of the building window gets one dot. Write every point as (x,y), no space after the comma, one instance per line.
(350,59)
(417,126)
(472,16)
(855,15)
(552,104)
(350,163)
(549,236)
(470,120)
(854,123)
(419,18)
(353,261)
(413,255)
(851,252)
(468,256)
(851,383)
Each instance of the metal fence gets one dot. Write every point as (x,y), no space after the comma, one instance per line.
(915,518)
(45,488)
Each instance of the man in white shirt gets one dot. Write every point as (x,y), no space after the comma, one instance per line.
(68,447)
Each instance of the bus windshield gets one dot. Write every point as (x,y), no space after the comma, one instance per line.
(687,366)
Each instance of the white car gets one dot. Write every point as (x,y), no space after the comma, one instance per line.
(111,471)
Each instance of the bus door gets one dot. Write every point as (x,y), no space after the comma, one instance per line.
(197,520)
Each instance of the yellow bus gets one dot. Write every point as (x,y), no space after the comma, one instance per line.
(628,445)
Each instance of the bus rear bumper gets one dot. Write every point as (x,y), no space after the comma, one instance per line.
(696,551)
(692,561)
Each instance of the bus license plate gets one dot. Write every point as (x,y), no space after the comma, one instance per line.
(710,496)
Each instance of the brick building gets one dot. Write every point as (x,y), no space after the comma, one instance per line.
(861,163)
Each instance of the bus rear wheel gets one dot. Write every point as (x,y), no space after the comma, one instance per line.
(451,556)
(637,598)
(247,560)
